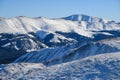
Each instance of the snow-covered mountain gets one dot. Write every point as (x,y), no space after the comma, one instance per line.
(52,56)
(73,23)
(93,23)
(26,24)
(21,34)
(13,46)
(99,67)
(77,47)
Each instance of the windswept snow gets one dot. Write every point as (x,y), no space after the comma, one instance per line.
(77,47)
(101,67)
(80,24)
(8,44)
(93,23)
(51,56)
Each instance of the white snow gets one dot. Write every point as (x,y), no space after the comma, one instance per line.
(3,39)
(42,26)
(7,44)
(16,48)
(42,34)
(101,67)
(86,60)
(51,56)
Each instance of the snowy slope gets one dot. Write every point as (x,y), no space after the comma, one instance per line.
(21,34)
(51,56)
(77,47)
(25,25)
(13,46)
(93,23)
(82,25)
(99,67)
(73,23)
(41,27)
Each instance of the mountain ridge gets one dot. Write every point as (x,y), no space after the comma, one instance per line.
(103,66)
(27,24)
(70,48)
(43,32)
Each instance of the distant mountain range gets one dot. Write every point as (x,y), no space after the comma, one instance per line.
(54,42)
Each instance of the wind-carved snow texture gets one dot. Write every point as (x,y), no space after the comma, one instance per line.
(77,47)
(101,67)
(52,56)
(20,35)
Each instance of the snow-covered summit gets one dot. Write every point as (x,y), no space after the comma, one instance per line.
(93,23)
(22,24)
(82,17)
(78,17)
(26,24)
(70,48)
(43,32)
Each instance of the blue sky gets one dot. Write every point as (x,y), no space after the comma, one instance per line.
(109,9)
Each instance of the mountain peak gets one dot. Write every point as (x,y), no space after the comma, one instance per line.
(86,18)
(78,17)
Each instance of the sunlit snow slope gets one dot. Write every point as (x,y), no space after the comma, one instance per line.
(77,47)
